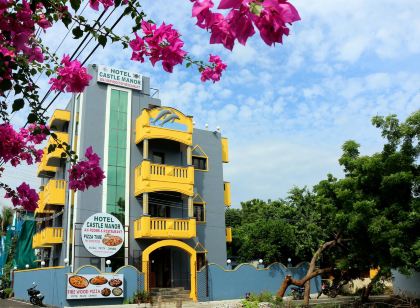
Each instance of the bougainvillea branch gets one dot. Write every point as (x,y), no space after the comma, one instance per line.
(23,55)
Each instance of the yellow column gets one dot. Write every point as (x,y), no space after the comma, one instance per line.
(146,149)
(189,155)
(190,207)
(145,203)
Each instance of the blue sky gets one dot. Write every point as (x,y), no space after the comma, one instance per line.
(286,110)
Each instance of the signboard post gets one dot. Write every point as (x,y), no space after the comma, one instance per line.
(120,77)
(102,234)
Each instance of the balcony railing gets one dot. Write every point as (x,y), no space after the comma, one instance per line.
(229,234)
(54,194)
(164,228)
(47,237)
(164,123)
(151,177)
(54,158)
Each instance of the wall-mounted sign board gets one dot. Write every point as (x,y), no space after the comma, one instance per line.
(119,77)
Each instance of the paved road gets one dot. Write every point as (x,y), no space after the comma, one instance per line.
(8,303)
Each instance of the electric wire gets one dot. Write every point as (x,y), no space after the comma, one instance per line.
(86,59)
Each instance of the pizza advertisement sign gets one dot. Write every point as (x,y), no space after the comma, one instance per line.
(95,286)
(102,234)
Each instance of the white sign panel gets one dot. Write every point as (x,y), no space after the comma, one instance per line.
(119,77)
(95,286)
(102,234)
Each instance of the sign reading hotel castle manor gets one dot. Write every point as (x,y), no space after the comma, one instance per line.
(119,77)
(102,234)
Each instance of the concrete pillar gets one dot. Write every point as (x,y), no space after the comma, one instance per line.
(145,203)
(190,207)
(146,149)
(189,155)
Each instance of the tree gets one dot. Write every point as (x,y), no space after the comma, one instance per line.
(23,55)
(371,215)
(6,218)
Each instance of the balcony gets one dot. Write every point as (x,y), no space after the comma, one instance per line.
(164,228)
(59,120)
(45,171)
(164,123)
(54,158)
(225,150)
(54,194)
(151,177)
(41,205)
(228,235)
(47,237)
(226,189)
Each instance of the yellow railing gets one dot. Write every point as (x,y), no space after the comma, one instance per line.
(43,169)
(164,228)
(225,150)
(148,128)
(54,158)
(156,177)
(54,193)
(59,118)
(47,237)
(226,188)
(229,234)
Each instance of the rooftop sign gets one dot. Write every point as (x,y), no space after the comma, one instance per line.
(119,77)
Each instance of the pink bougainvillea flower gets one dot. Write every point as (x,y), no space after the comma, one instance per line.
(94,4)
(139,49)
(215,72)
(16,147)
(86,173)
(24,196)
(270,17)
(72,77)
(161,43)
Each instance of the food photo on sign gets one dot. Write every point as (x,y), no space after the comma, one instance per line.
(95,286)
(102,234)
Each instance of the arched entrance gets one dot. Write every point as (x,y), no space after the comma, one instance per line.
(174,243)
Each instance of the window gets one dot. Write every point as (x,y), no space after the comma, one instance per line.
(199,212)
(200,163)
(158,158)
(199,159)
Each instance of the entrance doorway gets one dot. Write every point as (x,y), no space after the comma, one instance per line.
(175,255)
(170,268)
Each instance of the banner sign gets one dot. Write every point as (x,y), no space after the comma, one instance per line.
(95,286)
(102,234)
(119,77)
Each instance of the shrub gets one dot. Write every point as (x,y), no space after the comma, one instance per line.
(8,292)
(140,297)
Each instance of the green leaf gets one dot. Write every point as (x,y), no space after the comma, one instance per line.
(54,135)
(77,32)
(32,117)
(51,148)
(75,4)
(18,104)
(5,85)
(102,40)
(188,64)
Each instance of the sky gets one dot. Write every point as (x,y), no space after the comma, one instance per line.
(287,109)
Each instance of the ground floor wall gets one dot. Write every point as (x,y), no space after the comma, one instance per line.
(217,283)
(213,282)
(406,285)
(52,283)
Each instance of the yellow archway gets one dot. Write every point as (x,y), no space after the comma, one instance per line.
(174,243)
